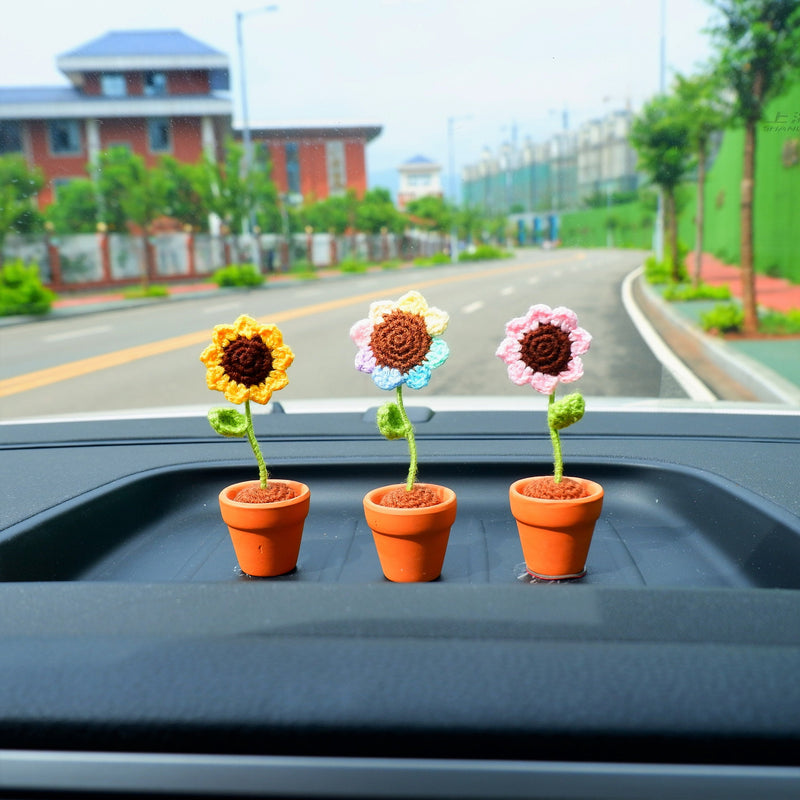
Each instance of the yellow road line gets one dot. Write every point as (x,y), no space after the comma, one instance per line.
(84,366)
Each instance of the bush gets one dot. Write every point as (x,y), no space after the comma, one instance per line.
(703,291)
(352,265)
(776,323)
(139,292)
(661,271)
(238,275)
(484,252)
(21,290)
(431,261)
(723,319)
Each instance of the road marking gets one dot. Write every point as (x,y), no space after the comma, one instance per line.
(507,290)
(219,307)
(533,280)
(74,369)
(473,307)
(60,337)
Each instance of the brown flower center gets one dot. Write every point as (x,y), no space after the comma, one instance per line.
(401,341)
(247,361)
(547,349)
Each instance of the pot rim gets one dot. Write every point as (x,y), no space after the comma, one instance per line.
(595,487)
(232,488)
(448,500)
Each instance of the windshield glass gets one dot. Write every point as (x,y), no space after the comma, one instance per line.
(166,168)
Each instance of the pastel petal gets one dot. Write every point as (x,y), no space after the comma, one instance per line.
(436,321)
(438,353)
(414,303)
(379,309)
(387,377)
(519,372)
(564,318)
(361,332)
(519,325)
(365,360)
(418,377)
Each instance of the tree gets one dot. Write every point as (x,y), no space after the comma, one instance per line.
(18,186)
(706,114)
(660,135)
(377,211)
(132,196)
(435,213)
(186,189)
(76,208)
(758,49)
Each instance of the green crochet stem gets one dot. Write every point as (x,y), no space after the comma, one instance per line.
(251,437)
(412,445)
(558,461)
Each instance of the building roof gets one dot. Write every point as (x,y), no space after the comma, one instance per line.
(419,159)
(312,130)
(138,50)
(67,102)
(419,163)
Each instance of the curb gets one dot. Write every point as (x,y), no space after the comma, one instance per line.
(723,373)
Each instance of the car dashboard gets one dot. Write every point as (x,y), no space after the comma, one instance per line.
(136,658)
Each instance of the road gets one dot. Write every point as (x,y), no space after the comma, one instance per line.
(147,357)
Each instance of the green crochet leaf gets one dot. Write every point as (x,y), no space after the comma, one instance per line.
(390,421)
(566,411)
(228,421)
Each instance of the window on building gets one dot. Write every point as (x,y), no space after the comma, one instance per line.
(10,136)
(155,84)
(64,136)
(292,168)
(113,84)
(158,134)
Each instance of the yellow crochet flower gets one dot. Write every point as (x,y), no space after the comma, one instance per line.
(247,360)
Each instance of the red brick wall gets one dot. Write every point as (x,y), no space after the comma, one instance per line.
(66,165)
(187,139)
(313,169)
(190,81)
(356,165)
(277,157)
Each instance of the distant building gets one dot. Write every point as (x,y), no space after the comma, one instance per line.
(419,177)
(555,175)
(161,92)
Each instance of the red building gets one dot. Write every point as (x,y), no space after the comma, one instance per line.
(161,92)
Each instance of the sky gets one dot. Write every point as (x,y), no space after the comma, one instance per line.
(499,69)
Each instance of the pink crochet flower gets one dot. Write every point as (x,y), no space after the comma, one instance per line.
(544,347)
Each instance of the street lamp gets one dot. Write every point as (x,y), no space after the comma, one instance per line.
(451,121)
(658,244)
(246,138)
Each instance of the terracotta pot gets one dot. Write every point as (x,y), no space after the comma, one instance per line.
(265,536)
(556,534)
(411,542)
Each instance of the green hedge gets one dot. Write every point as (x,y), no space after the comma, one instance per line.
(21,290)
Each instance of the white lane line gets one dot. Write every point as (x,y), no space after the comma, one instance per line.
(220,307)
(688,381)
(60,337)
(473,307)
(534,279)
(507,290)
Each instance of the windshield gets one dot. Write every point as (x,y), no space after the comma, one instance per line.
(166,168)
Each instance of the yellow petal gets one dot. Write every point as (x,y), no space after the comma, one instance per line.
(236,392)
(436,321)
(413,302)
(282,357)
(277,380)
(271,335)
(216,379)
(261,393)
(223,334)
(211,356)
(246,326)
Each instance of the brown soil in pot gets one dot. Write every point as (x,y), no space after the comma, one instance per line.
(548,489)
(274,493)
(418,497)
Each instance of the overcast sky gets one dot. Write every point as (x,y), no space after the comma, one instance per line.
(498,67)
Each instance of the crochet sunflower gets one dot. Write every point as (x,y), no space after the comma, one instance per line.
(245,361)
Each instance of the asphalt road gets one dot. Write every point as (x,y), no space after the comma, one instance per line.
(148,357)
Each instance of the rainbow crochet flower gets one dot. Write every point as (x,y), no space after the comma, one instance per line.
(542,349)
(400,343)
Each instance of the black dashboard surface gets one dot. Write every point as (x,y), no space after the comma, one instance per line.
(127,629)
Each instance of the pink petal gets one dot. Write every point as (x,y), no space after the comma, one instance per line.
(564,318)
(573,371)
(508,350)
(361,332)
(517,326)
(544,383)
(519,373)
(581,340)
